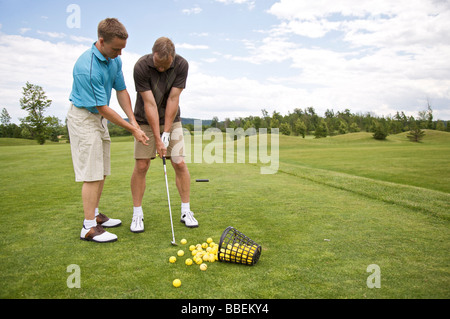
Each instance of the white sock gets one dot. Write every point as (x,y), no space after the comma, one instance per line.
(96,211)
(88,223)
(137,211)
(185,207)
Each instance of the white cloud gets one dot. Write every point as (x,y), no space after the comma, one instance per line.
(82,39)
(49,65)
(57,35)
(24,30)
(210,60)
(304,10)
(195,10)
(199,34)
(188,46)
(326,80)
(400,23)
(249,3)
(270,49)
(390,57)
(39,62)
(311,29)
(208,96)
(387,56)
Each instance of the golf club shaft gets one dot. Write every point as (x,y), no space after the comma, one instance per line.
(168,198)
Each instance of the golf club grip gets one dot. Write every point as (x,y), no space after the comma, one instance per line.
(164,160)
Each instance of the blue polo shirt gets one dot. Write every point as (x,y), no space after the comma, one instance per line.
(94,77)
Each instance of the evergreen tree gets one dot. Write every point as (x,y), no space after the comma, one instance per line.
(416,134)
(300,128)
(285,129)
(353,128)
(343,128)
(440,126)
(321,129)
(380,131)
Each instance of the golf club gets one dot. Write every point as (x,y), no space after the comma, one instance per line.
(168,200)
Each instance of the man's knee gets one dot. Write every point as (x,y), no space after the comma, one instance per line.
(142,165)
(179,164)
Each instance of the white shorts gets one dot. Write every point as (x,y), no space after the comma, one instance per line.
(90,145)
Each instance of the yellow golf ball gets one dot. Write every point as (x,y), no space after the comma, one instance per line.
(203,267)
(209,240)
(180,253)
(176,283)
(204,245)
(172,259)
(188,262)
(183,241)
(191,247)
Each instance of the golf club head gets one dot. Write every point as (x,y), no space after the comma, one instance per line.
(174,243)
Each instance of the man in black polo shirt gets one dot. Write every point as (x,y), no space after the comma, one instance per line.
(160,77)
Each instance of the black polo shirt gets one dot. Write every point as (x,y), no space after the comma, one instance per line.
(147,78)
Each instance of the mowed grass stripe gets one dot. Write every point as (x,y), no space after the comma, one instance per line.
(431,202)
(425,164)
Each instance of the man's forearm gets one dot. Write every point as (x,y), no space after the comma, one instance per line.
(125,103)
(112,116)
(151,113)
(171,112)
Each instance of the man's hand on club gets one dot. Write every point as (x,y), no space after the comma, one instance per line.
(161,148)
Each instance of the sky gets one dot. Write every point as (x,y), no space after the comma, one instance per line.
(371,56)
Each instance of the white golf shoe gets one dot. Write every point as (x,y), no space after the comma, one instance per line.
(137,224)
(97,234)
(188,219)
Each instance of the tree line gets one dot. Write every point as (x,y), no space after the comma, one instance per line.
(300,122)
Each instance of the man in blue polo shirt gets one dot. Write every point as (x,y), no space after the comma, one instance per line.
(95,74)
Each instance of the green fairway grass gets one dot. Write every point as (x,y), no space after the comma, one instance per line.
(335,206)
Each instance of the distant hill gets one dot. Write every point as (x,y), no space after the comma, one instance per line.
(185,120)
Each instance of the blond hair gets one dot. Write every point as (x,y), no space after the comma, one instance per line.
(111,28)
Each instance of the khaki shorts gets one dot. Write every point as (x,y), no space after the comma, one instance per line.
(176,145)
(90,145)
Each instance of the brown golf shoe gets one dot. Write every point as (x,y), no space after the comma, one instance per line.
(97,234)
(107,222)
